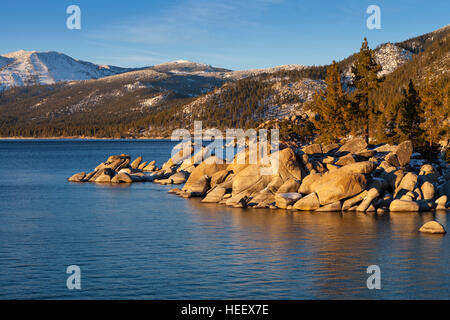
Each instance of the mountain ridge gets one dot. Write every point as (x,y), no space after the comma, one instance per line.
(136,102)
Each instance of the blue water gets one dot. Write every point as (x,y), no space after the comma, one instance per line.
(138,242)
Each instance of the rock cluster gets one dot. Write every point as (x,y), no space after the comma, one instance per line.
(354,176)
(350,177)
(120,169)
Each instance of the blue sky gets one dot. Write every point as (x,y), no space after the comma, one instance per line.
(235,34)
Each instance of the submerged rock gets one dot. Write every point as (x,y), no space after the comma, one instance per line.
(433,227)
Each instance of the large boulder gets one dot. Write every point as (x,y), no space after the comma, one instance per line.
(367,201)
(77,177)
(408,183)
(283,200)
(197,181)
(197,187)
(247,183)
(262,199)
(105,176)
(291,185)
(330,148)
(122,178)
(329,160)
(308,203)
(89,176)
(150,167)
(404,152)
(392,159)
(392,176)
(142,165)
(184,153)
(335,206)
(197,158)
(404,205)
(275,184)
(312,149)
(178,178)
(433,227)
(308,182)
(441,202)
(427,190)
(366,154)
(219,177)
(243,159)
(364,167)
(215,194)
(349,203)
(353,146)
(115,163)
(345,160)
(386,148)
(285,164)
(135,164)
(337,185)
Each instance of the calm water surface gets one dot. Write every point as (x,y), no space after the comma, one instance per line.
(138,242)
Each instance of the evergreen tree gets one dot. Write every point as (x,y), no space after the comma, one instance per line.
(365,80)
(434,111)
(331,105)
(408,116)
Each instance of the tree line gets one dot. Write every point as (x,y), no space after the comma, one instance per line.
(420,112)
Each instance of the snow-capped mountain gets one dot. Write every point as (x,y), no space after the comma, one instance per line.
(30,67)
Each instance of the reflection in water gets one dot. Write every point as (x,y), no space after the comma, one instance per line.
(328,251)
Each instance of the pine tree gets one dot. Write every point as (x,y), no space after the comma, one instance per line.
(365,80)
(408,116)
(331,105)
(434,112)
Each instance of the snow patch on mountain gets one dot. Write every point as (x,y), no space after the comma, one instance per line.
(390,57)
(23,68)
(185,67)
(254,72)
(148,103)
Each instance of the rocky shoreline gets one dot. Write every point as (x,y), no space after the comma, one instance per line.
(354,176)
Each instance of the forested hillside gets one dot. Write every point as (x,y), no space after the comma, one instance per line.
(153,102)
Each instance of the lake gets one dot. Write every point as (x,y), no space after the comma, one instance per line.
(139,242)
